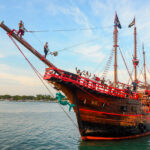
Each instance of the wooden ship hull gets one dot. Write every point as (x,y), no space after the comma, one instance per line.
(103,112)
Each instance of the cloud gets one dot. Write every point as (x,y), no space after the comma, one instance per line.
(4,67)
(7,48)
(2,56)
(19,84)
(16,89)
(126,11)
(79,17)
(18,79)
(91,53)
(10,74)
(83,13)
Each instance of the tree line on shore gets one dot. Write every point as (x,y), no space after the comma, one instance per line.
(24,97)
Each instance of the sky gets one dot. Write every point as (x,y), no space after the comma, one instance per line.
(80,30)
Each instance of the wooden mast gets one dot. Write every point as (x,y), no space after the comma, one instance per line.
(135,55)
(135,60)
(144,68)
(27,45)
(115,52)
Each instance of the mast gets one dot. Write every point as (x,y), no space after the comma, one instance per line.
(135,60)
(144,68)
(115,54)
(116,25)
(27,45)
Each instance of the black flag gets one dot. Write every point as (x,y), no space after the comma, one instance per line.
(117,22)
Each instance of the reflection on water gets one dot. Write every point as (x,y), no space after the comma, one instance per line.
(142,143)
(42,125)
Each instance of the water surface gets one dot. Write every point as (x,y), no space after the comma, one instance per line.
(43,126)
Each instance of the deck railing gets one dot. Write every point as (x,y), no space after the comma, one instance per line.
(90,84)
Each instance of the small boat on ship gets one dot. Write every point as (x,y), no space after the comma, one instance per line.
(103,112)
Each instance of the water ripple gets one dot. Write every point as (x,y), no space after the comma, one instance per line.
(44,126)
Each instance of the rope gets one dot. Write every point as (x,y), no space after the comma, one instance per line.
(131,75)
(40,77)
(125,64)
(147,69)
(35,70)
(141,71)
(68,116)
(35,36)
(108,64)
(38,31)
(73,29)
(76,45)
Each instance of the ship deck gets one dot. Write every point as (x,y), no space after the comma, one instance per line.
(58,75)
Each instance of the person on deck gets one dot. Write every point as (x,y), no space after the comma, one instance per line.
(21,29)
(95,79)
(46,49)
(87,75)
(128,91)
(79,72)
(134,83)
(110,84)
(103,81)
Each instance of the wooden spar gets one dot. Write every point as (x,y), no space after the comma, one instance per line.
(135,55)
(135,60)
(144,68)
(27,45)
(115,54)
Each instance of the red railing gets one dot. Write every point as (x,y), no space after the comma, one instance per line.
(81,81)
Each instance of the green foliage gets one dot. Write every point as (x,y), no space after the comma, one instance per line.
(25,97)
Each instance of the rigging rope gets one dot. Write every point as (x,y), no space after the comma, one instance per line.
(129,77)
(35,36)
(148,70)
(125,64)
(40,77)
(38,31)
(141,71)
(108,64)
(73,29)
(76,45)
(35,70)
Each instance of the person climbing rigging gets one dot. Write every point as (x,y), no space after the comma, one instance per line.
(21,29)
(46,49)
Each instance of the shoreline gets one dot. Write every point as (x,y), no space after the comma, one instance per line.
(51,101)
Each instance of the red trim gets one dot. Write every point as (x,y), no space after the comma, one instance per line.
(115,45)
(42,58)
(93,111)
(114,138)
(85,82)
(11,32)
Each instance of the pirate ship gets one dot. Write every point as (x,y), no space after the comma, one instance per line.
(103,112)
